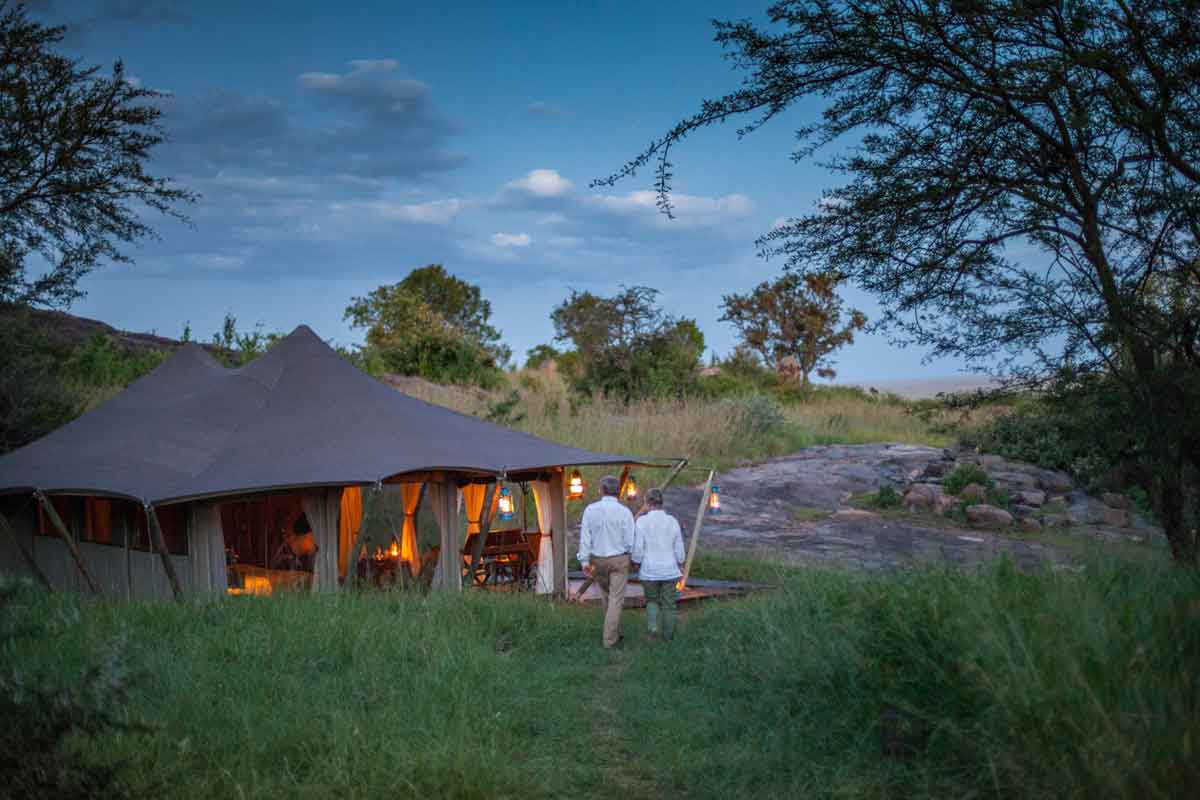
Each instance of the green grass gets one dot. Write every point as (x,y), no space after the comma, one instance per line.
(1035,684)
(807,514)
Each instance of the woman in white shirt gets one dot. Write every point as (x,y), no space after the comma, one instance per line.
(658,548)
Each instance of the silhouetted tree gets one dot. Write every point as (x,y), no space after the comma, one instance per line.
(1019,172)
(73,149)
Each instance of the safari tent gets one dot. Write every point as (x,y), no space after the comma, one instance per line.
(189,479)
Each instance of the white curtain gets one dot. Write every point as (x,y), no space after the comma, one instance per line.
(322,512)
(545,556)
(208,550)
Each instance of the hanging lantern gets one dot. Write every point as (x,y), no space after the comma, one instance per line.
(505,505)
(714,500)
(631,489)
(575,485)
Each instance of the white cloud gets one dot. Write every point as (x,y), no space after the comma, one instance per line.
(543,183)
(687,208)
(511,239)
(435,212)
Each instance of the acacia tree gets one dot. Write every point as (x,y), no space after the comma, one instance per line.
(1021,189)
(73,149)
(795,316)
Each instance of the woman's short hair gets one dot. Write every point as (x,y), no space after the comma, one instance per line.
(654,497)
(609,485)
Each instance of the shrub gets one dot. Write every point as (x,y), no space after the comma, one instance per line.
(757,417)
(39,717)
(886,497)
(964,475)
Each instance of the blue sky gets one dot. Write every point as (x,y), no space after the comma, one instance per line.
(336,146)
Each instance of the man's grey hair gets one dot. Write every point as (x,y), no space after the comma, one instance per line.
(654,498)
(610,486)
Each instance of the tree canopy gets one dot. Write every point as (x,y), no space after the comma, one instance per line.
(431,324)
(1020,189)
(73,150)
(627,346)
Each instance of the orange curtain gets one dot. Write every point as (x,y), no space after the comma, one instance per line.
(473,496)
(410,495)
(349,521)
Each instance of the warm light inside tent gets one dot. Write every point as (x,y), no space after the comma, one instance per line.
(256,584)
(505,505)
(714,500)
(575,485)
(631,489)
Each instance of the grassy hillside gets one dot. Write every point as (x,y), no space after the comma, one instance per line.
(1008,684)
(720,430)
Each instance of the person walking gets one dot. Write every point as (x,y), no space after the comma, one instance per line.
(605,542)
(658,548)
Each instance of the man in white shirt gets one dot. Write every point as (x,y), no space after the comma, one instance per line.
(658,548)
(605,541)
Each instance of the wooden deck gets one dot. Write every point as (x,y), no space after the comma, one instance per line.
(697,589)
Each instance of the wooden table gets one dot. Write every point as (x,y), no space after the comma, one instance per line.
(509,557)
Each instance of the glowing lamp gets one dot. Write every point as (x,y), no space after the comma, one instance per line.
(714,500)
(631,489)
(394,548)
(505,505)
(575,485)
(256,584)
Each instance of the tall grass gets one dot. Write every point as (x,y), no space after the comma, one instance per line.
(1035,684)
(709,430)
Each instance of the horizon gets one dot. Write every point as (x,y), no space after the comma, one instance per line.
(346,147)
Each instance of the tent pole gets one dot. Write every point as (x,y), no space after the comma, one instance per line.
(675,470)
(29,559)
(558,531)
(485,525)
(352,556)
(450,555)
(57,522)
(687,567)
(624,479)
(156,535)
(128,530)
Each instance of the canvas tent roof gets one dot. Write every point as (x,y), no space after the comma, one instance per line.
(300,415)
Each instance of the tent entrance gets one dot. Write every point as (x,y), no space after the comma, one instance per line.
(269,544)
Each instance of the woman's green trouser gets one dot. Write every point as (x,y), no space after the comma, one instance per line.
(660,601)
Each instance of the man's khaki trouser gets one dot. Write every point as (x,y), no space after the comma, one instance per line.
(612,572)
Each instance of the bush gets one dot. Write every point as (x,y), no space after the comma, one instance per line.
(757,417)
(886,497)
(963,476)
(40,718)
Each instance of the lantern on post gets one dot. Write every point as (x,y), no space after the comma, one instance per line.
(575,485)
(714,500)
(631,489)
(505,505)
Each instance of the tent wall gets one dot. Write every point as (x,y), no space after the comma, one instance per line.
(143,578)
